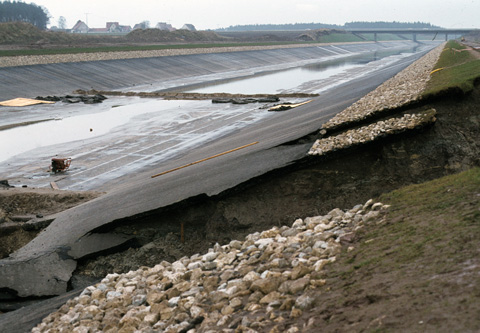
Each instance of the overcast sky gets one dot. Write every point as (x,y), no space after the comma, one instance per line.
(212,14)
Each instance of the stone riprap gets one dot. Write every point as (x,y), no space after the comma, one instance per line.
(252,285)
(372,132)
(404,88)
(115,55)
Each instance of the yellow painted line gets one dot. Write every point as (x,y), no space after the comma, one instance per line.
(205,159)
(437,70)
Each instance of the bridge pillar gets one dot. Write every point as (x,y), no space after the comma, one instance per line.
(415,38)
(446,37)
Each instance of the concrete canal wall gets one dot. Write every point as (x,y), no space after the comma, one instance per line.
(87,73)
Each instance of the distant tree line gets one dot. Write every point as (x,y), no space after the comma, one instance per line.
(389,25)
(280,27)
(314,26)
(17,11)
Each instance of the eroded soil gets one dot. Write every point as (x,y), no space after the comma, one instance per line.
(19,206)
(416,272)
(311,187)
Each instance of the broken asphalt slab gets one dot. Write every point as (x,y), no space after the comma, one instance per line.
(45,265)
(47,273)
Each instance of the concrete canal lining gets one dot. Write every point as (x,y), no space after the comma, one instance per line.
(63,78)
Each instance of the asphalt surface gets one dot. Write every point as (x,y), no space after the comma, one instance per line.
(44,266)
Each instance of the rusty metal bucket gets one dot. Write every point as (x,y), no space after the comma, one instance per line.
(60,164)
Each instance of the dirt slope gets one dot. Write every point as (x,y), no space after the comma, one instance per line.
(417,271)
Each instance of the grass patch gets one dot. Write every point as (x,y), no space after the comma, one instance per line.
(437,194)
(427,224)
(455,71)
(421,263)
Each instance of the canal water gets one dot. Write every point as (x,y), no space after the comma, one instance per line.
(295,79)
(79,127)
(183,122)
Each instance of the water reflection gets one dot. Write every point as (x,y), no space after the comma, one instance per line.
(81,127)
(276,82)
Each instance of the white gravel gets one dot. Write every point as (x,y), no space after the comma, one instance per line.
(403,88)
(82,57)
(253,285)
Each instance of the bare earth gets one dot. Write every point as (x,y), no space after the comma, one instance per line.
(19,205)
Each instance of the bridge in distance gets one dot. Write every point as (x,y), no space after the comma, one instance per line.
(402,33)
(413,32)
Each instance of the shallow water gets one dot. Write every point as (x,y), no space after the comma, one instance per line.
(81,127)
(73,125)
(281,81)
(274,83)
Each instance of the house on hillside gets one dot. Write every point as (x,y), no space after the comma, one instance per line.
(80,28)
(143,25)
(116,27)
(189,27)
(111,27)
(164,26)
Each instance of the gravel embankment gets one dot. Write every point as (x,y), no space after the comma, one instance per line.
(373,132)
(404,88)
(255,285)
(97,56)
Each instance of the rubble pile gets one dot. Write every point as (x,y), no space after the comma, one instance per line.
(253,285)
(72,99)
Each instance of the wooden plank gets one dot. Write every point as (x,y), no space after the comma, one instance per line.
(290,106)
(23,102)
